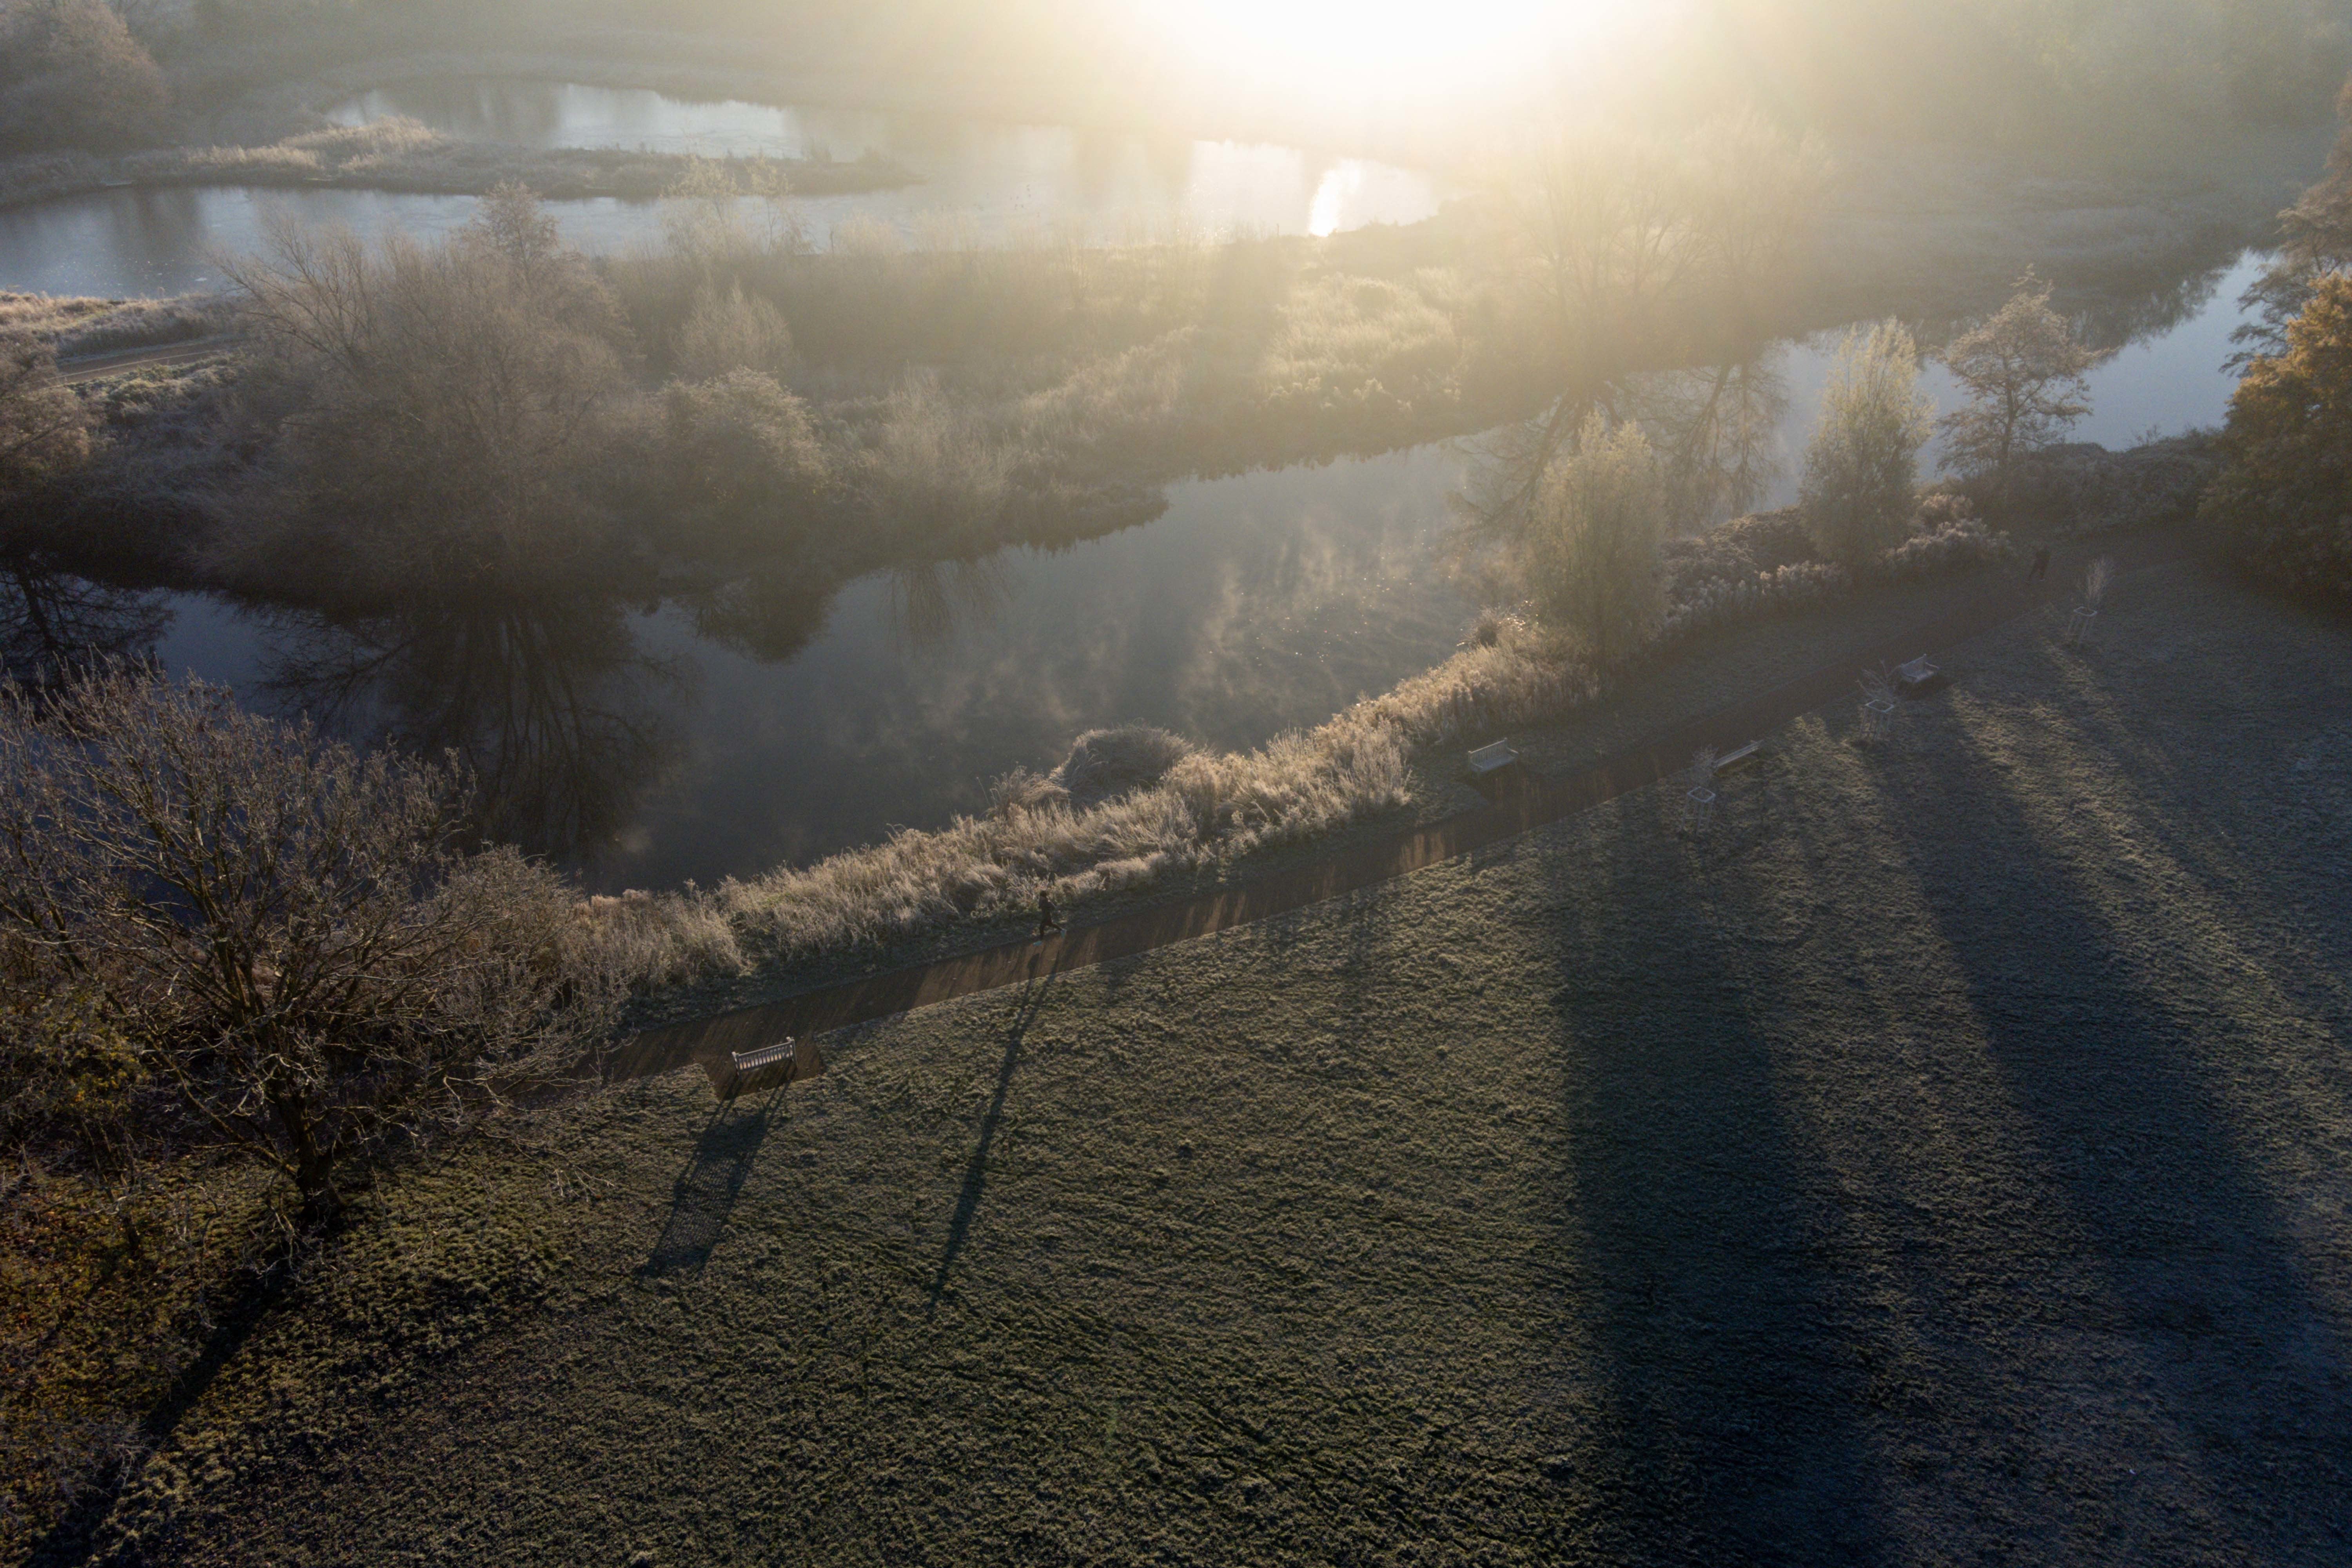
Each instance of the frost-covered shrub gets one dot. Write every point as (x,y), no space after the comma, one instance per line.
(1950,536)
(1733,553)
(1106,762)
(1718,602)
(2283,500)
(2086,489)
(1024,791)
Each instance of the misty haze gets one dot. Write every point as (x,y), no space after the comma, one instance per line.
(1208,783)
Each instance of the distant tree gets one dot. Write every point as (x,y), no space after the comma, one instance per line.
(1624,249)
(71,75)
(1863,465)
(293,942)
(44,427)
(2315,239)
(730,330)
(440,411)
(511,226)
(1590,553)
(2023,371)
(2284,498)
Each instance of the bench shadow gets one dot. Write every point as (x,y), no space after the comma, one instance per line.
(704,1194)
(1027,1003)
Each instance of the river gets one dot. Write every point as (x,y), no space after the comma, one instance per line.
(695,744)
(982,179)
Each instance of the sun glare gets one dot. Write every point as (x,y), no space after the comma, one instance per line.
(1393,47)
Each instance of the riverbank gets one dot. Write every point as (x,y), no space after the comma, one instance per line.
(747,945)
(1485,1210)
(403,156)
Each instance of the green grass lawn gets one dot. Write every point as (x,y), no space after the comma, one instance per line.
(1944,1159)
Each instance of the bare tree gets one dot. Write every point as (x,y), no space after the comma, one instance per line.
(1718,434)
(44,427)
(732,330)
(512,227)
(2023,370)
(1591,547)
(1863,465)
(51,622)
(439,410)
(1621,244)
(290,937)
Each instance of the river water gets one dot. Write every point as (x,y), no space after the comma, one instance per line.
(982,179)
(691,746)
(1254,604)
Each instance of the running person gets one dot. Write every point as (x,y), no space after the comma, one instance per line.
(1048,922)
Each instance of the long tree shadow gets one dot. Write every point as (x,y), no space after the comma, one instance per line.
(2119,1047)
(1027,1002)
(705,1192)
(1721,1427)
(77,1536)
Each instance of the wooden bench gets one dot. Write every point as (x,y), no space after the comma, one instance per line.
(801,1054)
(1918,676)
(1747,753)
(1492,758)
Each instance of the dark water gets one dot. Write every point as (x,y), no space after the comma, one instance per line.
(1254,604)
(982,180)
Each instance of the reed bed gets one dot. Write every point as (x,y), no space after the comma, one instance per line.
(75,326)
(1205,809)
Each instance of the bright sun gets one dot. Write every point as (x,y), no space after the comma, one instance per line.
(1405,47)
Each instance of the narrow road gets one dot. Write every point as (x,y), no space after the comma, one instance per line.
(74,372)
(1530,802)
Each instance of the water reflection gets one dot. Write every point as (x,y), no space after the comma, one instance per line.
(995,184)
(1252,605)
(51,622)
(2166,377)
(1003,180)
(930,602)
(563,717)
(778,716)
(1105,184)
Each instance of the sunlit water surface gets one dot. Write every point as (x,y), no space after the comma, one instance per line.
(2161,384)
(980,180)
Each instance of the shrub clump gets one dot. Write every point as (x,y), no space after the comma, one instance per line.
(1862,465)
(2283,500)
(1949,536)
(71,75)
(1104,763)
(233,930)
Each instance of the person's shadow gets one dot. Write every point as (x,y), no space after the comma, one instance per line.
(1030,1001)
(704,1194)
